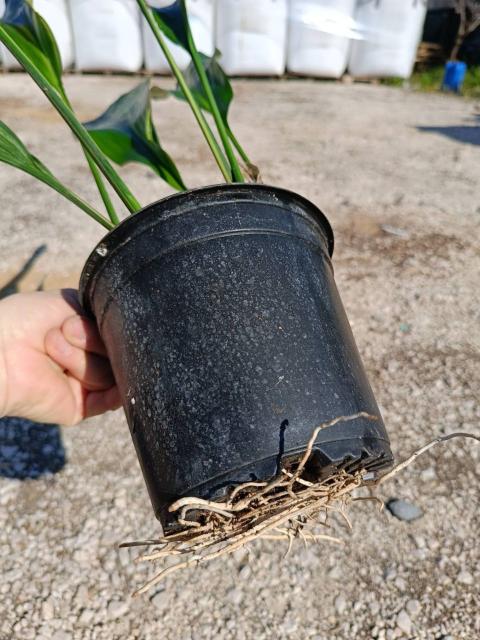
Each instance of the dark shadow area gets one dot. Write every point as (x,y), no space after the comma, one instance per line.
(466,134)
(29,450)
(12,285)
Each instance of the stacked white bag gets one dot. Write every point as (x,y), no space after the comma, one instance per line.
(391,31)
(319,36)
(201,14)
(252,36)
(55,12)
(107,35)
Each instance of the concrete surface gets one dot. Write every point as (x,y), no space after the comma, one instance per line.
(397,174)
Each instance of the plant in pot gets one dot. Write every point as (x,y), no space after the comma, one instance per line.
(469,19)
(218,306)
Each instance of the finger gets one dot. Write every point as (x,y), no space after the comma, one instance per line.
(93,371)
(98,402)
(82,332)
(91,403)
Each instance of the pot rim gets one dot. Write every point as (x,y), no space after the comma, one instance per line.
(114,237)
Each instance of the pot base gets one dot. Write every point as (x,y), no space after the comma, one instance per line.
(327,458)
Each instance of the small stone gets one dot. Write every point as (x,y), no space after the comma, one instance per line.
(340,604)
(235,595)
(335,573)
(390,574)
(244,572)
(413,607)
(400,584)
(62,635)
(85,618)
(465,577)
(289,626)
(374,608)
(160,599)
(404,510)
(428,474)
(122,629)
(420,542)
(117,609)
(403,622)
(82,597)
(48,610)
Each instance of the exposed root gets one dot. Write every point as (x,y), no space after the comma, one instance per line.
(406,463)
(285,508)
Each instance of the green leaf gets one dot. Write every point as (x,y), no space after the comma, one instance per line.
(219,82)
(16,154)
(173,21)
(34,36)
(125,133)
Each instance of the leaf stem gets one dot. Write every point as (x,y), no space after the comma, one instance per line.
(238,146)
(84,206)
(197,112)
(69,117)
(97,176)
(222,129)
(55,184)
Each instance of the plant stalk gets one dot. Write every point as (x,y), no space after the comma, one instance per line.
(97,176)
(197,112)
(84,206)
(222,129)
(238,146)
(79,202)
(77,128)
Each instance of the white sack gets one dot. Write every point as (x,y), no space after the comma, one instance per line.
(252,36)
(107,35)
(391,31)
(318,36)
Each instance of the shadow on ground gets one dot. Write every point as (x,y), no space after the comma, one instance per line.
(12,286)
(28,449)
(466,134)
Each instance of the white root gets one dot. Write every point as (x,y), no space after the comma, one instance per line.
(406,463)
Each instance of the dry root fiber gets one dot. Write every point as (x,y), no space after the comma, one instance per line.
(288,507)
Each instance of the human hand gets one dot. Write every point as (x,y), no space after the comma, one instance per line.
(53,364)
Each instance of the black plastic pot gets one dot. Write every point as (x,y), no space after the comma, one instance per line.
(229,341)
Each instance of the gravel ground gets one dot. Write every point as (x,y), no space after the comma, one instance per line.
(397,174)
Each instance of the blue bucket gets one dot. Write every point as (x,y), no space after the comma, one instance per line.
(454,76)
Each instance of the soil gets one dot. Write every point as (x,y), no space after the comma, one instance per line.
(397,175)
